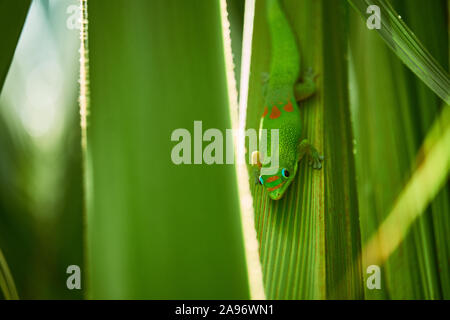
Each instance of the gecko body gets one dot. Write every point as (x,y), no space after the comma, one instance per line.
(280,106)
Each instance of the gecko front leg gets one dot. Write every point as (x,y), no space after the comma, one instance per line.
(306,87)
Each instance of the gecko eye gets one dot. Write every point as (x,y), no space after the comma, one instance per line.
(261,181)
(285,173)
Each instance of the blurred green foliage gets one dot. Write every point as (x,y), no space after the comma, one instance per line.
(392,112)
(235,9)
(156,229)
(13,15)
(40,171)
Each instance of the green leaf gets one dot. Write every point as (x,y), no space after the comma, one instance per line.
(310,238)
(429,176)
(6,281)
(235,9)
(12,18)
(156,229)
(407,47)
(392,112)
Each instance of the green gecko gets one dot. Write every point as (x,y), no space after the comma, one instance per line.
(280,108)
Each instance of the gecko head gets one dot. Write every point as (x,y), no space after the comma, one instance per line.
(277,184)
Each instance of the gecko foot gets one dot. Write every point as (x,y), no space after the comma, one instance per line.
(315,159)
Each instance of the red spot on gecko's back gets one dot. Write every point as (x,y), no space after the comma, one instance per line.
(266,111)
(275,113)
(288,107)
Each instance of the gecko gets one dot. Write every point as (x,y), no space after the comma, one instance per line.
(281,111)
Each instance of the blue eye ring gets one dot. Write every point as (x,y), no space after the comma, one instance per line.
(285,173)
(261,181)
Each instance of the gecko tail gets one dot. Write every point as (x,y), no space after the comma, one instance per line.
(285,58)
